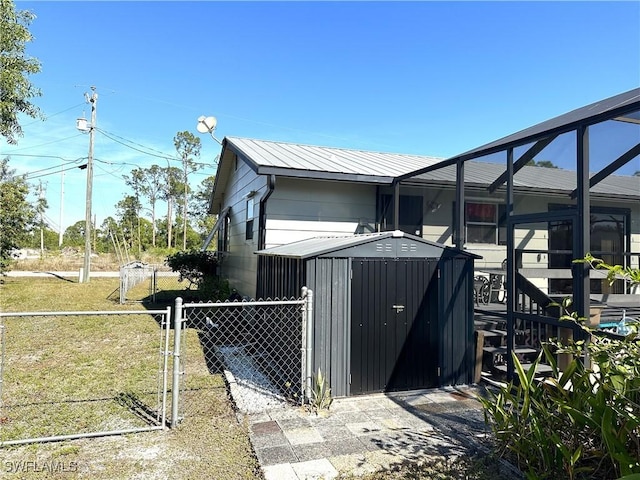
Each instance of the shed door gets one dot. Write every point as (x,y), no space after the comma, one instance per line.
(393,322)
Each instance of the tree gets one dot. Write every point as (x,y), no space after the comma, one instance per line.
(541,163)
(171,191)
(127,213)
(148,182)
(17,216)
(188,148)
(15,67)
(200,200)
(74,235)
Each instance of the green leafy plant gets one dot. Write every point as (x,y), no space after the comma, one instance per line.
(614,271)
(321,398)
(200,269)
(583,422)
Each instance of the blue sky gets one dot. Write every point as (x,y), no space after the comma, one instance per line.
(430,78)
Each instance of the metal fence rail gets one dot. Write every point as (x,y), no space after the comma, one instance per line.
(259,346)
(66,375)
(141,282)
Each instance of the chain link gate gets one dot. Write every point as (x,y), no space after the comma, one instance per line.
(260,347)
(68,375)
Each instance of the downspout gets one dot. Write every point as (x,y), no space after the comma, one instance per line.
(396,205)
(262,219)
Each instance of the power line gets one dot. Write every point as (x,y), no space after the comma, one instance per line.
(111,137)
(31,177)
(45,144)
(41,156)
(162,154)
(47,117)
(29,174)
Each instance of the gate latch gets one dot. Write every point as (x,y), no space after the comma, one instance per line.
(398,308)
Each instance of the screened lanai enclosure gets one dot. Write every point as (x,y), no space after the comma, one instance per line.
(530,221)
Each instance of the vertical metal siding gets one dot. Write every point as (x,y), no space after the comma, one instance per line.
(329,278)
(279,277)
(456,320)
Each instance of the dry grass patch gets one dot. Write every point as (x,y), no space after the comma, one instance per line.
(79,373)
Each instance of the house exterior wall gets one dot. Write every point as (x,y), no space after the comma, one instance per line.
(239,264)
(438,226)
(299,209)
(302,208)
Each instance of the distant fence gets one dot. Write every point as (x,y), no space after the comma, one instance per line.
(66,375)
(141,282)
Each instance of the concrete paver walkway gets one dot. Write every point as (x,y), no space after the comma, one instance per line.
(368,433)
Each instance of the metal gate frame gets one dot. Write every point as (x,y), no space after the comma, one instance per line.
(181,319)
(161,421)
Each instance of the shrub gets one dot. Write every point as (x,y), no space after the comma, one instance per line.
(200,270)
(583,422)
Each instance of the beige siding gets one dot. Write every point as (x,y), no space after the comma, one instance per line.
(240,264)
(301,209)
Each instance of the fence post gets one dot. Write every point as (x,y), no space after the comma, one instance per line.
(177,340)
(309,352)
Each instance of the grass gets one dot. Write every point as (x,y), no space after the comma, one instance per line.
(80,374)
(70,260)
(101,366)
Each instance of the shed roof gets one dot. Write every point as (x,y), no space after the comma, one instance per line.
(341,245)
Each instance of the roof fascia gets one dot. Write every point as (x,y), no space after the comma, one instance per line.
(317,175)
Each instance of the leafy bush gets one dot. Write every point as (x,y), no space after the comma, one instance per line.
(200,269)
(579,423)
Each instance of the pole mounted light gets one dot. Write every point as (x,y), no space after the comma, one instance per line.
(83,126)
(208,125)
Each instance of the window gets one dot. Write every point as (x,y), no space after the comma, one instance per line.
(486,223)
(249,232)
(223,232)
(410,211)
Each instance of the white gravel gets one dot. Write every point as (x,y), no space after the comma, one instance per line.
(251,390)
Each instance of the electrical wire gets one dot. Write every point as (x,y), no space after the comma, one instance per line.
(162,155)
(29,174)
(41,156)
(111,136)
(48,143)
(50,173)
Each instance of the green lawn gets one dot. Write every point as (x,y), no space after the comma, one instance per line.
(67,375)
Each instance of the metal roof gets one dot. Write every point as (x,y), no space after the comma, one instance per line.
(532,178)
(289,159)
(317,246)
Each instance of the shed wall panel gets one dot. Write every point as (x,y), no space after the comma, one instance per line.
(330,282)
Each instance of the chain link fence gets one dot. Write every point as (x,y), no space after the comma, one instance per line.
(259,347)
(141,282)
(67,375)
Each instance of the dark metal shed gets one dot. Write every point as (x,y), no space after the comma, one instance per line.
(392,311)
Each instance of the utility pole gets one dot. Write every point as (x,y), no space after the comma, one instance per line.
(41,211)
(93,100)
(61,233)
